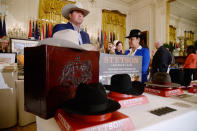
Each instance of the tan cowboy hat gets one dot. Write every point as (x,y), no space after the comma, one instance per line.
(68,35)
(67,38)
(163,80)
(71,7)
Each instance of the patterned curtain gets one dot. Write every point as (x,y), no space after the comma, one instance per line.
(113,26)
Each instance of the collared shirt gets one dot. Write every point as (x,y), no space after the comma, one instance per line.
(79,34)
(133,53)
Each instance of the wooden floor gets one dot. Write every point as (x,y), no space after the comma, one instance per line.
(30,127)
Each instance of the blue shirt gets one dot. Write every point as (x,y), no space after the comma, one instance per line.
(80,38)
(144,52)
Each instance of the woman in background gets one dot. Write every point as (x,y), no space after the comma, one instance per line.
(190,65)
(4,44)
(137,50)
(118,50)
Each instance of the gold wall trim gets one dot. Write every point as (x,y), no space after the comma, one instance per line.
(114,22)
(51,10)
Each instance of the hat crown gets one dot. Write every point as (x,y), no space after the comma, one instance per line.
(71,7)
(134,33)
(121,82)
(79,5)
(68,35)
(161,77)
(91,94)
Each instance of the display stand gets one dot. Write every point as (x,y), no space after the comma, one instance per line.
(193,89)
(118,121)
(165,92)
(129,100)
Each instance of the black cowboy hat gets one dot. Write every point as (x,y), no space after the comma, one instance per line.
(90,99)
(135,33)
(162,79)
(122,83)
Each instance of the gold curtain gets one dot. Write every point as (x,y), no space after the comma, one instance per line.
(51,10)
(172,34)
(113,22)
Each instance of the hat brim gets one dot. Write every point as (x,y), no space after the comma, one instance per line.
(72,106)
(172,85)
(133,36)
(136,90)
(70,7)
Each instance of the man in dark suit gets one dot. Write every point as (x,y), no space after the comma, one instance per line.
(161,59)
(75,14)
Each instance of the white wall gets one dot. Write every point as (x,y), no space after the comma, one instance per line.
(149,15)
(19,12)
(182,25)
(94,20)
(146,15)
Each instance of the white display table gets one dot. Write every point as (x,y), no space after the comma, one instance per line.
(24,117)
(184,119)
(8,110)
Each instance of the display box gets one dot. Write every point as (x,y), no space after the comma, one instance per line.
(130,101)
(117,122)
(193,89)
(165,92)
(52,74)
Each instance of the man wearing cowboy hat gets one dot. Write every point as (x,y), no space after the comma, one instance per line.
(75,14)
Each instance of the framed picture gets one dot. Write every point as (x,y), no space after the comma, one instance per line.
(18,45)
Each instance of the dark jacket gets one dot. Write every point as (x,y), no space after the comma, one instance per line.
(84,35)
(161,60)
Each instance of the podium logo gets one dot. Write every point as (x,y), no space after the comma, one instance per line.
(76,72)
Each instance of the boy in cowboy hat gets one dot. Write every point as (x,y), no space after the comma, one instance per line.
(75,14)
(137,50)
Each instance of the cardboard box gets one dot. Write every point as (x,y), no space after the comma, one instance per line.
(117,122)
(51,75)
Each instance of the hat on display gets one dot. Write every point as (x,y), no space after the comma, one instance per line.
(90,99)
(122,83)
(135,33)
(162,79)
(68,35)
(73,7)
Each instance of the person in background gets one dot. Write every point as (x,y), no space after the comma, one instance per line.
(190,65)
(118,50)
(75,14)
(111,48)
(137,50)
(161,59)
(4,44)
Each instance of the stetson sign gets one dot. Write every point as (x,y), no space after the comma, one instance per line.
(119,64)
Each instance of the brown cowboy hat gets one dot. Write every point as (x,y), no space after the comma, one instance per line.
(162,79)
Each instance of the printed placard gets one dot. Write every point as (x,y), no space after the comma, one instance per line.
(162,111)
(119,64)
